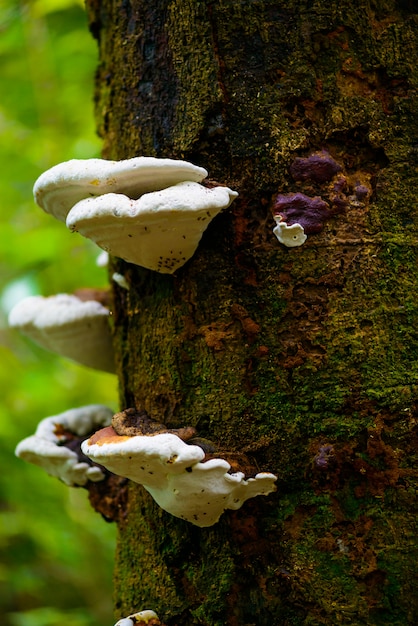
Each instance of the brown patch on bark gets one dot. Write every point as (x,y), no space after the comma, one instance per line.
(293,525)
(249,231)
(249,327)
(306,312)
(215,334)
(383,471)
(247,537)
(246,264)
(241,222)
(109,497)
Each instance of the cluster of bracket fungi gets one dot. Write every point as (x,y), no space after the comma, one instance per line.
(152,213)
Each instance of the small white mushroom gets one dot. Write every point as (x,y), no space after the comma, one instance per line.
(142,617)
(66,325)
(160,231)
(120,280)
(174,474)
(46,450)
(290,236)
(65,184)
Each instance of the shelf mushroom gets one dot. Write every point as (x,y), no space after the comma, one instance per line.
(62,186)
(291,236)
(64,324)
(148,211)
(176,473)
(160,231)
(55,446)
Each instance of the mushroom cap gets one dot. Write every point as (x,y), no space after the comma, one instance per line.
(174,474)
(290,236)
(45,448)
(65,184)
(159,231)
(143,617)
(66,325)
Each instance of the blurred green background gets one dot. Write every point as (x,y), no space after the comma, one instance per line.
(56,554)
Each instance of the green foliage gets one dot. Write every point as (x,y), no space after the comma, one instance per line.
(55,552)
(49,617)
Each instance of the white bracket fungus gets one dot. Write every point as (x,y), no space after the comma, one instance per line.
(148,211)
(66,325)
(62,186)
(46,447)
(290,236)
(142,617)
(159,231)
(120,280)
(175,475)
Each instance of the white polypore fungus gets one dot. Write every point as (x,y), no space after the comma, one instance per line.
(66,325)
(290,236)
(46,447)
(173,473)
(142,617)
(120,280)
(115,202)
(61,187)
(159,231)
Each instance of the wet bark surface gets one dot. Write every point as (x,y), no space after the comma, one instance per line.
(303,358)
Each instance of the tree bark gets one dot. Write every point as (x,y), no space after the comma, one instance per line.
(303,358)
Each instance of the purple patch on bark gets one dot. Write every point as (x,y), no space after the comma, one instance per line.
(325,454)
(296,208)
(339,203)
(340,184)
(361,191)
(319,167)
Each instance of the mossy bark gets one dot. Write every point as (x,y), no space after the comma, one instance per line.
(304,358)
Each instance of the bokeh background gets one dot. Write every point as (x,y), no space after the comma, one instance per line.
(56,554)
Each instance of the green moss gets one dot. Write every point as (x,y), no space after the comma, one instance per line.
(141,573)
(189,29)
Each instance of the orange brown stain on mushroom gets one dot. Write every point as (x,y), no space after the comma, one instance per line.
(107,435)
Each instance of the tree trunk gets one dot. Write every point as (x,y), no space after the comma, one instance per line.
(303,358)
